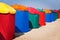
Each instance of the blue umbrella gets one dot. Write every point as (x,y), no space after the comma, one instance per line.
(54,16)
(48,17)
(21,21)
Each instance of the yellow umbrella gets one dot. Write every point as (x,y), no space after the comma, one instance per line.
(47,10)
(4,9)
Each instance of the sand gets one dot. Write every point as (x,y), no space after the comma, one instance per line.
(49,32)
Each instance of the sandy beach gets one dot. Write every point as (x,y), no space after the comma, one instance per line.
(49,32)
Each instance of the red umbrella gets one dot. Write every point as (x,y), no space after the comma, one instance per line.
(7,25)
(41,18)
(58,12)
(7,21)
(55,10)
(41,15)
(33,10)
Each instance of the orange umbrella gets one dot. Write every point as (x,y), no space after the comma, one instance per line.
(19,7)
(47,11)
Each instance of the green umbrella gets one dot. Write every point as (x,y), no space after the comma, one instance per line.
(33,20)
(40,9)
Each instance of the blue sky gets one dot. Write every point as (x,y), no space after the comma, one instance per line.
(49,4)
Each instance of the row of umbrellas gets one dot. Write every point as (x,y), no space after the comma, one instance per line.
(18,18)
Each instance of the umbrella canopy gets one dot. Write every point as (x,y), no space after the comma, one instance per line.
(55,10)
(47,10)
(19,7)
(4,9)
(33,10)
(40,9)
